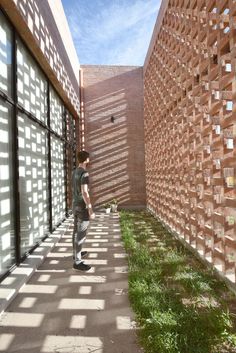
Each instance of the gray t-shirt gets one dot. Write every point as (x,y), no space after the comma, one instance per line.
(80,177)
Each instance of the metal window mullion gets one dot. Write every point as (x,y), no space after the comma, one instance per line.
(15,155)
(65,161)
(74,143)
(59,137)
(6,98)
(49,159)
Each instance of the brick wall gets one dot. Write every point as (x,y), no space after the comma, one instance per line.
(190,126)
(117,148)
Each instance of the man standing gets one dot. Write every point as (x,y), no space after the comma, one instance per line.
(82,210)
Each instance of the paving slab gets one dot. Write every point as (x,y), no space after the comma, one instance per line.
(62,310)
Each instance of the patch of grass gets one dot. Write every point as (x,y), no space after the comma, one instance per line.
(180,306)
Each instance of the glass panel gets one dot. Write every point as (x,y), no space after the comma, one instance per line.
(69,128)
(56,112)
(5,57)
(31,84)
(74,130)
(7,255)
(69,166)
(58,181)
(33,182)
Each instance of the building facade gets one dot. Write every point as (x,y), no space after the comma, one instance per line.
(39,108)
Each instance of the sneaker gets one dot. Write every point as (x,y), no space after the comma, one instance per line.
(81,267)
(84,253)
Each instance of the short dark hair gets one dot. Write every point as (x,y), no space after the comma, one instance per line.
(82,156)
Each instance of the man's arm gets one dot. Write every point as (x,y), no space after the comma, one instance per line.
(86,197)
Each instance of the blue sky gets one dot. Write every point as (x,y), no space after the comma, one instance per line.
(111,32)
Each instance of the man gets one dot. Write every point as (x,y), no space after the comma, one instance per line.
(82,209)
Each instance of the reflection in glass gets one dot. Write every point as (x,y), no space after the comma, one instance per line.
(70,167)
(33,183)
(7,255)
(5,57)
(31,84)
(58,181)
(70,128)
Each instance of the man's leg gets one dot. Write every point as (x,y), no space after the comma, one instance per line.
(74,236)
(79,236)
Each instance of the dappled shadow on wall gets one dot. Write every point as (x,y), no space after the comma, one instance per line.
(110,151)
(40,20)
(113,141)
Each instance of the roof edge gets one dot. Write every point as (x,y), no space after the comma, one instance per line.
(155,32)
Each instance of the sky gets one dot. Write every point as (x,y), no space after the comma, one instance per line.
(111,32)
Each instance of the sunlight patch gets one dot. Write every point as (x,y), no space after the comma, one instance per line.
(82,304)
(27,302)
(124,323)
(69,344)
(21,319)
(5,341)
(42,289)
(85,290)
(78,321)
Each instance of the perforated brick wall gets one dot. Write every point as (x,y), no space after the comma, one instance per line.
(190,126)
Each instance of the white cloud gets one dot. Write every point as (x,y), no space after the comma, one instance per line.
(113,32)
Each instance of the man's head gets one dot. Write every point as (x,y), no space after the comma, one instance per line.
(83,157)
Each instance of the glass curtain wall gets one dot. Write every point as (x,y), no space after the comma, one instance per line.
(31,85)
(36,151)
(32,144)
(70,156)
(57,158)
(33,183)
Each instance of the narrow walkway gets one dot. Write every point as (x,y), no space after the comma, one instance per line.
(61,310)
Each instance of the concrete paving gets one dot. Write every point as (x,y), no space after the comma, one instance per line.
(62,310)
